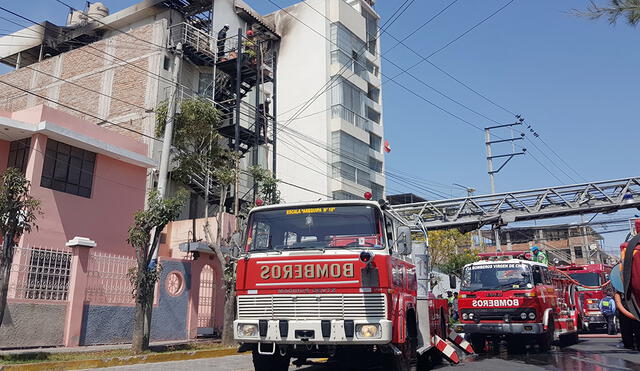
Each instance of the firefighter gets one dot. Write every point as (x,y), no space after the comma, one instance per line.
(538,255)
(608,309)
(222,37)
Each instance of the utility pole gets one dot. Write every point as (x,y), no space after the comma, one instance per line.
(163,173)
(236,137)
(168,128)
(490,157)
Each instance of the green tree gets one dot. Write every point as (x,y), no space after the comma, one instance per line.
(449,250)
(267,185)
(145,232)
(629,9)
(18,214)
(454,263)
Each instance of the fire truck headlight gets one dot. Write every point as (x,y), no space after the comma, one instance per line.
(471,315)
(247,330)
(368,331)
(523,315)
(532,315)
(465,316)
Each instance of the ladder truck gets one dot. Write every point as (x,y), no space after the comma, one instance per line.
(336,279)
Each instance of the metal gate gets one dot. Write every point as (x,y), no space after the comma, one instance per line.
(206,303)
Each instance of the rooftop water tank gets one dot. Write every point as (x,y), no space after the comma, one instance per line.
(97,11)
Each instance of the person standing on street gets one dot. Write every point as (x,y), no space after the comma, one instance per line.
(608,309)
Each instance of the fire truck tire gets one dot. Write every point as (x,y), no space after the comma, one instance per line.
(275,362)
(546,339)
(478,342)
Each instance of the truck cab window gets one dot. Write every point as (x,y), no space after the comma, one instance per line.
(537,275)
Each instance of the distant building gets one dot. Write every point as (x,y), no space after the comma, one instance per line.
(404,198)
(567,243)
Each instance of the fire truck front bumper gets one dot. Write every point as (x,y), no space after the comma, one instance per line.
(500,328)
(313,331)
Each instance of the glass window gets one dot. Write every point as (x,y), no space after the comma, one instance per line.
(375,142)
(578,252)
(377,191)
(372,31)
(587,278)
(342,195)
(375,165)
(19,154)
(314,227)
(497,276)
(68,169)
(205,84)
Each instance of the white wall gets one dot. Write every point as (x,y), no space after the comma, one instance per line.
(302,71)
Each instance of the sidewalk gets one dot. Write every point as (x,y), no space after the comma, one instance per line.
(99,356)
(158,345)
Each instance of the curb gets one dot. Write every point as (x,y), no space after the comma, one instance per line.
(121,361)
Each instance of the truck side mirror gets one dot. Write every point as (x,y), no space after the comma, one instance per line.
(452,281)
(403,240)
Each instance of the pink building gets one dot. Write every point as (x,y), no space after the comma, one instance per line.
(69,291)
(90,180)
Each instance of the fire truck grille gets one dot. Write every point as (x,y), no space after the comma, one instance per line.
(297,307)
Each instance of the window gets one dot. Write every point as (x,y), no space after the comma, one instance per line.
(205,84)
(377,191)
(350,148)
(68,169)
(537,275)
(373,115)
(578,252)
(342,195)
(325,227)
(373,93)
(375,165)
(166,63)
(375,142)
(19,154)
(48,277)
(372,31)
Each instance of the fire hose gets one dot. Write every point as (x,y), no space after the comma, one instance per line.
(578,283)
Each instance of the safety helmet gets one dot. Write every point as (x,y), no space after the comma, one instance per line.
(534,248)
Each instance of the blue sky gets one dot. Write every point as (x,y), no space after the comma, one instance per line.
(574,80)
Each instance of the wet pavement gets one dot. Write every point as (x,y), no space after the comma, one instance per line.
(591,354)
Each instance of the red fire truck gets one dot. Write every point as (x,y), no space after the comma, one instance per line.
(588,296)
(334,279)
(517,300)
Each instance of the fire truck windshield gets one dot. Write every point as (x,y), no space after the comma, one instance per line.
(586,278)
(325,227)
(496,276)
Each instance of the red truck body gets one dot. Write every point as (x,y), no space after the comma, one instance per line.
(589,317)
(520,300)
(329,278)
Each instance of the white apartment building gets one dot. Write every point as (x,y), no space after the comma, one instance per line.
(333,148)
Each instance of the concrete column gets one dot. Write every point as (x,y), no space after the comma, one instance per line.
(77,289)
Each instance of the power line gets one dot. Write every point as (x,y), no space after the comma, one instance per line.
(79,111)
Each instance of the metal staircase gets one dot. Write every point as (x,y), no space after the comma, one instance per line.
(470,213)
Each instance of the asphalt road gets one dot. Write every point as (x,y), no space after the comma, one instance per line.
(591,354)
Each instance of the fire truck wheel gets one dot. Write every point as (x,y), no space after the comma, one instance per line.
(275,362)
(478,342)
(546,339)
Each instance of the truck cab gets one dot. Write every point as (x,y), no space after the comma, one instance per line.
(588,294)
(326,279)
(517,300)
